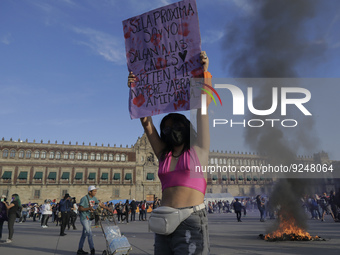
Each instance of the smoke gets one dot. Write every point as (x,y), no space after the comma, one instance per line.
(271,43)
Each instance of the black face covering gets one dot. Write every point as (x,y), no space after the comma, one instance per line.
(175,136)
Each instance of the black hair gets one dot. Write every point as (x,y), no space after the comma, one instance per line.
(190,132)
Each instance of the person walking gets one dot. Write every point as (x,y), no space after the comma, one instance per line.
(46,212)
(326,207)
(238,209)
(261,206)
(133,206)
(143,210)
(126,211)
(119,209)
(65,206)
(156,203)
(35,212)
(12,208)
(87,206)
(3,213)
(74,214)
(24,214)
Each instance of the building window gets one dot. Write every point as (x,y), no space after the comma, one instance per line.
(38,176)
(79,156)
(79,176)
(105,176)
(52,155)
(28,154)
(36,154)
(36,194)
(5,192)
(92,176)
(12,154)
(43,154)
(123,158)
(22,175)
(65,155)
(98,156)
(216,161)
(105,157)
(5,154)
(85,156)
(7,175)
(224,161)
(150,176)
(237,162)
(21,154)
(58,155)
(211,161)
(52,176)
(116,176)
(72,155)
(65,176)
(128,176)
(93,156)
(116,192)
(64,192)
(117,157)
(111,157)
(220,161)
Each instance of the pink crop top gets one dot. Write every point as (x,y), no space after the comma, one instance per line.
(181,175)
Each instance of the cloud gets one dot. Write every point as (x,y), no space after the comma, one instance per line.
(212,36)
(102,44)
(6,39)
(244,5)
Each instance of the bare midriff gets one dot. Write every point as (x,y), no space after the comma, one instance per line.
(179,197)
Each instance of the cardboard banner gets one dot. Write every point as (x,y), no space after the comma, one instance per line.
(162,50)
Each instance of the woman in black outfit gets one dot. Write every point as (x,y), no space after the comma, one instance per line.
(12,209)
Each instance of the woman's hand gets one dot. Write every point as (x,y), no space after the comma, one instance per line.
(204,61)
(131,79)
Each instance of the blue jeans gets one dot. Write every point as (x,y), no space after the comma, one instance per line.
(190,237)
(262,213)
(87,232)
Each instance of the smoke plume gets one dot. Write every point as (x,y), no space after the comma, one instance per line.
(271,43)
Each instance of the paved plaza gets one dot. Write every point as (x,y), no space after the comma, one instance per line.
(226,237)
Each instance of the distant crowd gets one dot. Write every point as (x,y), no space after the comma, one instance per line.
(65,212)
(317,205)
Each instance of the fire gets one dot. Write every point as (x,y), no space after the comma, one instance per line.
(288,230)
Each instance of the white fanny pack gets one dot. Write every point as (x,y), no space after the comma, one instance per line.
(164,220)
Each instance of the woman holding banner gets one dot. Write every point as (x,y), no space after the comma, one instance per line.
(183,190)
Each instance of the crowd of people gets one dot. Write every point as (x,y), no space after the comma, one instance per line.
(66,211)
(317,205)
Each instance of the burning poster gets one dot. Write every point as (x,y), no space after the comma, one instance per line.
(162,50)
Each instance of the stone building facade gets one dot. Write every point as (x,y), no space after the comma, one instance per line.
(39,171)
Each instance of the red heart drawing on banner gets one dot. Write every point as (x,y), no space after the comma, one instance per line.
(139,100)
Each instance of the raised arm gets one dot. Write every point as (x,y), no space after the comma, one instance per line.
(203,135)
(149,128)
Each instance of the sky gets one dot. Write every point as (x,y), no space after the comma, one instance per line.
(63,72)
